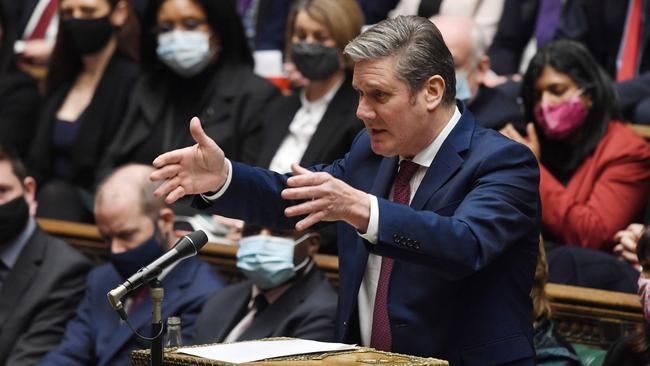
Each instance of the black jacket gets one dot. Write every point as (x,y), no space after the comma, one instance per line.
(231,109)
(19,103)
(333,136)
(100,122)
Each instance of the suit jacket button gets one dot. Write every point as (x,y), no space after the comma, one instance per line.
(395,236)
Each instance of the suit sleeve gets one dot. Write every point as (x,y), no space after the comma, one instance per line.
(77,346)
(499,210)
(513,33)
(618,194)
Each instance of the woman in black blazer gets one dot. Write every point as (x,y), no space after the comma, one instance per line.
(91,73)
(318,122)
(195,62)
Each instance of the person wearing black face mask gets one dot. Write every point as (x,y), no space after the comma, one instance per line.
(35,269)
(92,71)
(317,123)
(139,229)
(286,295)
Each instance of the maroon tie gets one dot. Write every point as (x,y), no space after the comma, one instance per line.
(381,337)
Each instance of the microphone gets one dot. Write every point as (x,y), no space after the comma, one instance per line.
(185,247)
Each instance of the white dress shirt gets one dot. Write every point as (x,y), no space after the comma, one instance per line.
(302,128)
(368,289)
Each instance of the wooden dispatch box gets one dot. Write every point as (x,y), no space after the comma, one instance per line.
(358,357)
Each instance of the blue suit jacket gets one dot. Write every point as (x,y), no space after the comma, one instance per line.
(465,250)
(96,335)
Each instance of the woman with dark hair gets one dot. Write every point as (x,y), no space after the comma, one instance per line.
(635,350)
(196,62)
(595,171)
(91,72)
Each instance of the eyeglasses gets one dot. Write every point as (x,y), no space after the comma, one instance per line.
(188,24)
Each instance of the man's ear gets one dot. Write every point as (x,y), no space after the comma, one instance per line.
(120,13)
(166,219)
(29,186)
(482,68)
(434,91)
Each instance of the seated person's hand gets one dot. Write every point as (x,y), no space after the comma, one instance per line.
(531,140)
(235,226)
(492,80)
(626,241)
(295,77)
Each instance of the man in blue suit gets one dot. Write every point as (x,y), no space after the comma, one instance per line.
(139,229)
(438,218)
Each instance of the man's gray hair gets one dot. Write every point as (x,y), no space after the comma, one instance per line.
(418,47)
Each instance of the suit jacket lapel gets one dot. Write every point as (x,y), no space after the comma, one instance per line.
(265,325)
(447,160)
(233,312)
(18,282)
(275,131)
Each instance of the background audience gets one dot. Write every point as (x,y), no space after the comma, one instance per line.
(595,171)
(41,277)
(492,108)
(139,229)
(91,74)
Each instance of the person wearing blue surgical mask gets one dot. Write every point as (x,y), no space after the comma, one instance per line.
(491,107)
(195,62)
(139,229)
(285,295)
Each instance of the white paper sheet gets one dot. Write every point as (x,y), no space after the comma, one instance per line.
(258,350)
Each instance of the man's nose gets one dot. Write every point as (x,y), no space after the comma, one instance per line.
(364,111)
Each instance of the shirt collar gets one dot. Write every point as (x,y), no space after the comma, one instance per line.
(9,253)
(425,157)
(323,101)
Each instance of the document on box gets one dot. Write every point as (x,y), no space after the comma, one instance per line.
(241,352)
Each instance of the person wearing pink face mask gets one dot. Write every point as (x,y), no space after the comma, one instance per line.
(635,349)
(595,171)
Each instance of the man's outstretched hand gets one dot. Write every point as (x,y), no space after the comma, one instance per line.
(192,170)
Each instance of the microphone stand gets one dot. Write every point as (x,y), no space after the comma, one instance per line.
(157,293)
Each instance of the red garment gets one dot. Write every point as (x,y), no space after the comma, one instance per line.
(604,195)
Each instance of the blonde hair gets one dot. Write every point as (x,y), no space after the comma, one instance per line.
(342,18)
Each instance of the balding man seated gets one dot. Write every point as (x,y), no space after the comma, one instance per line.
(491,107)
(139,229)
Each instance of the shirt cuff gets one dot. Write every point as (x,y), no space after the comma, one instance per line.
(209,197)
(373,222)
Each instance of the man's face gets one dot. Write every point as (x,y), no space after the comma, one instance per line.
(398,122)
(123,226)
(11,187)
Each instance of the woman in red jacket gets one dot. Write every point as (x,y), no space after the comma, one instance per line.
(595,171)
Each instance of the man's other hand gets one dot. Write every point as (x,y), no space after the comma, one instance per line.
(327,199)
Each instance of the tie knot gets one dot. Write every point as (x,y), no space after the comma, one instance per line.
(406,170)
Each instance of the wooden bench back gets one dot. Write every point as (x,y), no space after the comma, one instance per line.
(586,316)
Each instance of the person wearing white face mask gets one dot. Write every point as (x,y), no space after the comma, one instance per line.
(466,42)
(286,295)
(196,63)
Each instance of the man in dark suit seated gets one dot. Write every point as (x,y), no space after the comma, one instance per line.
(285,295)
(139,229)
(41,278)
(492,108)
(438,218)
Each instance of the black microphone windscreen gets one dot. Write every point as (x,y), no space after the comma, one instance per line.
(199,238)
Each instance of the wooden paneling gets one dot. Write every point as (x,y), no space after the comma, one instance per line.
(587,316)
